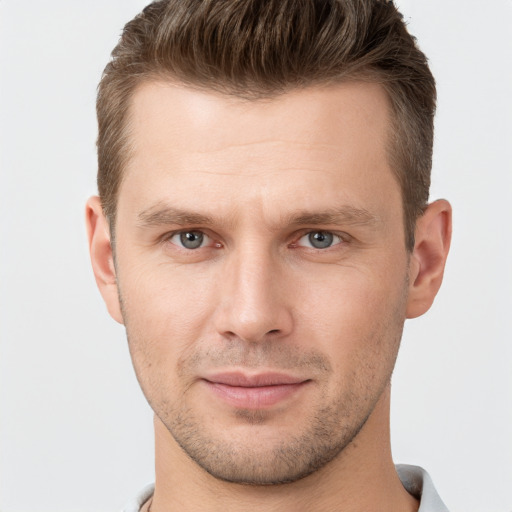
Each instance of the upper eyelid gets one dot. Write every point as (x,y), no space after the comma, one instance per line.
(338,235)
(344,236)
(170,234)
(341,234)
(210,242)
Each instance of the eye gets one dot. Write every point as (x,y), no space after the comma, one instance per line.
(189,239)
(319,240)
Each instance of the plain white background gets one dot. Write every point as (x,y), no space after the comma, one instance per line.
(75,431)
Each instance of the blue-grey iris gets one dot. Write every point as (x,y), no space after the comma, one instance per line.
(321,239)
(191,239)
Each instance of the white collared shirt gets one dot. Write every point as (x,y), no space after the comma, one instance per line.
(415,480)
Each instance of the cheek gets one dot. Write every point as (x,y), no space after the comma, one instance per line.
(166,295)
(353,314)
(165,313)
(359,330)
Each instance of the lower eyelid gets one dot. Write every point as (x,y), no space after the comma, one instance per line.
(208,240)
(338,239)
(176,236)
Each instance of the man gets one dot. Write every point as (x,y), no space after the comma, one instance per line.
(263,232)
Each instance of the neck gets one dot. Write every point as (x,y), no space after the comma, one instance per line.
(362,477)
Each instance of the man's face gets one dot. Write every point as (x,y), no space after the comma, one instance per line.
(262,270)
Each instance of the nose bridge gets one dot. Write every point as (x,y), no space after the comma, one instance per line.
(253,305)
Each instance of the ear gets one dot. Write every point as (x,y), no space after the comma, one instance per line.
(428,259)
(102,258)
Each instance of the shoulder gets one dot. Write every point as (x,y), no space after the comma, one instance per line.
(418,483)
(415,480)
(136,503)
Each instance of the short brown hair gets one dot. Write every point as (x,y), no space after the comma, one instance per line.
(262,48)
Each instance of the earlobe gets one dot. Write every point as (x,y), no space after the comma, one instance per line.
(102,258)
(432,243)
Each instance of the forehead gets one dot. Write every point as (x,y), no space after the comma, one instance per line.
(326,141)
(314,114)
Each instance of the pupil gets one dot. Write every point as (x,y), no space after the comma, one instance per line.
(192,239)
(320,239)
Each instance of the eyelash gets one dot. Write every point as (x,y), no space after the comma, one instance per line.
(337,239)
(170,236)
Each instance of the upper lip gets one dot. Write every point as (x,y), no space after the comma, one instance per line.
(245,380)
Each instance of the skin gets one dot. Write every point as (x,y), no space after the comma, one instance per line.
(256,179)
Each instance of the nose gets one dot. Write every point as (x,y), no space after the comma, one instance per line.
(254,305)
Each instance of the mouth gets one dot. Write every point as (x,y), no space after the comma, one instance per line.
(257,391)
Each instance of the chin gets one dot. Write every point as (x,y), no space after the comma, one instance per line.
(259,454)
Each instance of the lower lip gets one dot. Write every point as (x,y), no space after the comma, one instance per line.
(257,397)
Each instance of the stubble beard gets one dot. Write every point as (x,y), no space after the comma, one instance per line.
(266,463)
(260,459)
(325,435)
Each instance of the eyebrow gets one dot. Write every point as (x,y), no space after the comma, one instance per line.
(344,215)
(162,215)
